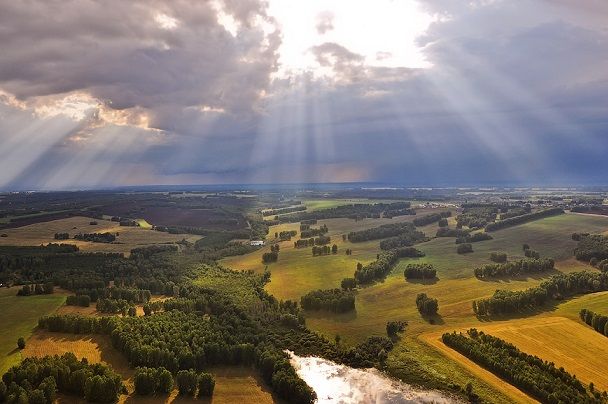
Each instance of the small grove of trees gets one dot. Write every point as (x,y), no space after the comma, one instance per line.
(269,257)
(473,238)
(312,232)
(37,289)
(464,248)
(384,264)
(324,250)
(524,266)
(384,231)
(153,381)
(189,383)
(96,237)
(395,327)
(336,300)
(78,300)
(431,218)
(498,257)
(539,378)
(38,380)
(447,232)
(427,306)
(420,271)
(62,236)
(287,234)
(599,322)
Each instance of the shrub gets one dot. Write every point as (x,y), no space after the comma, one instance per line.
(21,343)
(464,248)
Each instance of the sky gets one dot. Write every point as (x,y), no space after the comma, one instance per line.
(96,94)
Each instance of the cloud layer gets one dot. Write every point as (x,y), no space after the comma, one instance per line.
(111,93)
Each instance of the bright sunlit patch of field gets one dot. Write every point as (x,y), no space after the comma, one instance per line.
(129,237)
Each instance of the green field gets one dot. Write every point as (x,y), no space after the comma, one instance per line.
(19,318)
(413,359)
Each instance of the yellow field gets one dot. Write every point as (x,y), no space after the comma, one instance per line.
(129,237)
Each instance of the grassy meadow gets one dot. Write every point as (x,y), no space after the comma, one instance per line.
(19,318)
(554,334)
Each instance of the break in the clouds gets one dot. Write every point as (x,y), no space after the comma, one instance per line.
(422,93)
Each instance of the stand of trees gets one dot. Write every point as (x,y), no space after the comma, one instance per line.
(287,235)
(498,257)
(515,268)
(96,237)
(501,224)
(356,211)
(325,250)
(420,271)
(395,327)
(473,238)
(62,236)
(427,306)
(312,232)
(149,381)
(539,378)
(36,289)
(464,248)
(385,262)
(476,217)
(38,380)
(431,218)
(447,232)
(269,257)
(555,288)
(336,300)
(599,322)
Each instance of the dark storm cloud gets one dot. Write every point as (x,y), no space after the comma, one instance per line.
(517,93)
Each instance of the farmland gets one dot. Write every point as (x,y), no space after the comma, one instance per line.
(129,236)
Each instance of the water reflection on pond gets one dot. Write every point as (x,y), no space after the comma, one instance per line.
(336,383)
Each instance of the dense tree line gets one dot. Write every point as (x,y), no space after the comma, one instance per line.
(287,235)
(96,237)
(473,238)
(556,287)
(514,212)
(36,289)
(356,211)
(38,380)
(336,300)
(513,221)
(591,246)
(303,243)
(420,271)
(539,378)
(391,213)
(312,232)
(427,306)
(515,268)
(405,230)
(447,232)
(431,218)
(384,263)
(287,209)
(599,322)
